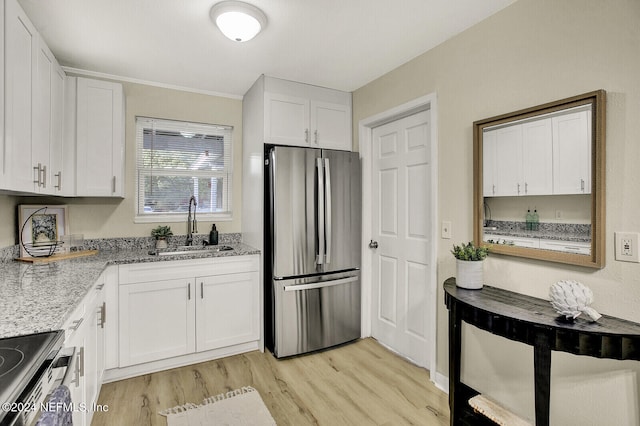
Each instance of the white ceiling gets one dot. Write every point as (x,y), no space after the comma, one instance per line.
(341,44)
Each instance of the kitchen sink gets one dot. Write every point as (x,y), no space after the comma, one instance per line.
(190,250)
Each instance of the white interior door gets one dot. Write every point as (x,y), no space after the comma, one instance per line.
(401,225)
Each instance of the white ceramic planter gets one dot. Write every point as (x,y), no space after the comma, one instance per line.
(469,274)
(161,243)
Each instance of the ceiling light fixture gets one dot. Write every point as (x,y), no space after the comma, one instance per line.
(237,20)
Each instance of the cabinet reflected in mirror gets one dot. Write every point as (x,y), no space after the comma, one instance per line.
(539,181)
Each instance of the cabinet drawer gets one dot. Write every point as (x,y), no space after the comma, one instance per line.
(566,246)
(154,271)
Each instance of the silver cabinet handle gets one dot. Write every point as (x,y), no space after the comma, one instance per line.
(526,188)
(306,135)
(44,176)
(315,133)
(493,189)
(189,291)
(103,314)
(81,363)
(59,176)
(76,370)
(113,185)
(201,290)
(76,324)
(518,189)
(582,185)
(100,287)
(38,170)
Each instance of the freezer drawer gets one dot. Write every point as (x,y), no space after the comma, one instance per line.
(312,314)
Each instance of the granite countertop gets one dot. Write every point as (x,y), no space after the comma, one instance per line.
(579,233)
(41,297)
(555,236)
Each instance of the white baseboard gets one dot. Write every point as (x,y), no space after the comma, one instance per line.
(441,381)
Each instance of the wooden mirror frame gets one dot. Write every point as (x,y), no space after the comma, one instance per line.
(597,257)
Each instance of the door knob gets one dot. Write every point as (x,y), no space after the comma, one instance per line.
(373,244)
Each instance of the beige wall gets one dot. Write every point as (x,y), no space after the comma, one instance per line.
(533,52)
(106,217)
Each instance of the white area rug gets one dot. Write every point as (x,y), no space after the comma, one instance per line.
(241,407)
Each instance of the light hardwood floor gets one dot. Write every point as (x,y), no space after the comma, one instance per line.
(361,383)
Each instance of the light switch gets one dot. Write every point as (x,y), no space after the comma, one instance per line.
(446,229)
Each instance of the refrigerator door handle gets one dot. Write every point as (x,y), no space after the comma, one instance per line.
(320,212)
(322,284)
(327,206)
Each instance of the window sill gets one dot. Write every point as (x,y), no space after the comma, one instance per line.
(179,218)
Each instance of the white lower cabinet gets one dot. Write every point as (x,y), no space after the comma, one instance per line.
(227,310)
(85,332)
(156,320)
(179,308)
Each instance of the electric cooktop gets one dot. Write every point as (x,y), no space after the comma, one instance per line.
(21,360)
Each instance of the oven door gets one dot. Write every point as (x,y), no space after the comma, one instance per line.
(55,372)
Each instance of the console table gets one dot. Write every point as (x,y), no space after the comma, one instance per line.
(532,321)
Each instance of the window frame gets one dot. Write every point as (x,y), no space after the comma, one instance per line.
(141,123)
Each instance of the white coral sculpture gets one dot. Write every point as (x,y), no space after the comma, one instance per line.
(571,298)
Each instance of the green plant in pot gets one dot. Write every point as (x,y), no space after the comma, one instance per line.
(161,233)
(469,265)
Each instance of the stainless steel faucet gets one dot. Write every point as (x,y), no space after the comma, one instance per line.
(192,225)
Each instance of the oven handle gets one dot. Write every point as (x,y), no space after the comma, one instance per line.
(65,359)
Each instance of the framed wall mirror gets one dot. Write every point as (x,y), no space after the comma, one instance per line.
(539,181)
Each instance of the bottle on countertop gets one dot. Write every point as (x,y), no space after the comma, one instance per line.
(535,220)
(529,220)
(213,236)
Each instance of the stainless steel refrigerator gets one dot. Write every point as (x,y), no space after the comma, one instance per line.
(312,249)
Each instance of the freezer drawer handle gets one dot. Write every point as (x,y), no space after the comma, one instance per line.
(301,287)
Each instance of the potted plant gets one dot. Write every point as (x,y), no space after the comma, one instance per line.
(161,233)
(469,271)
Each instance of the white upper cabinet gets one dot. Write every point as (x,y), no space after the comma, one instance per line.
(302,115)
(34,105)
(21,46)
(537,157)
(572,153)
(99,137)
(542,156)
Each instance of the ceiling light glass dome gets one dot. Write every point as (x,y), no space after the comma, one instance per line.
(237,20)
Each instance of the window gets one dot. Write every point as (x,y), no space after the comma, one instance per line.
(176,160)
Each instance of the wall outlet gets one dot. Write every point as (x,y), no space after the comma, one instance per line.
(446,229)
(627,249)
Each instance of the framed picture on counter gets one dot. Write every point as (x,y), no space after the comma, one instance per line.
(42,229)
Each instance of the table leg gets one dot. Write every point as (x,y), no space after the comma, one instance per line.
(455,335)
(542,374)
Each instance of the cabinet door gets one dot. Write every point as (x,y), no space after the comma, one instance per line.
(21,44)
(572,153)
(41,123)
(489,163)
(509,161)
(94,351)
(76,336)
(331,125)
(537,157)
(286,120)
(227,310)
(157,320)
(100,138)
(57,150)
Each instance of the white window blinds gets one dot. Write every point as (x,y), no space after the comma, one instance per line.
(177,159)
